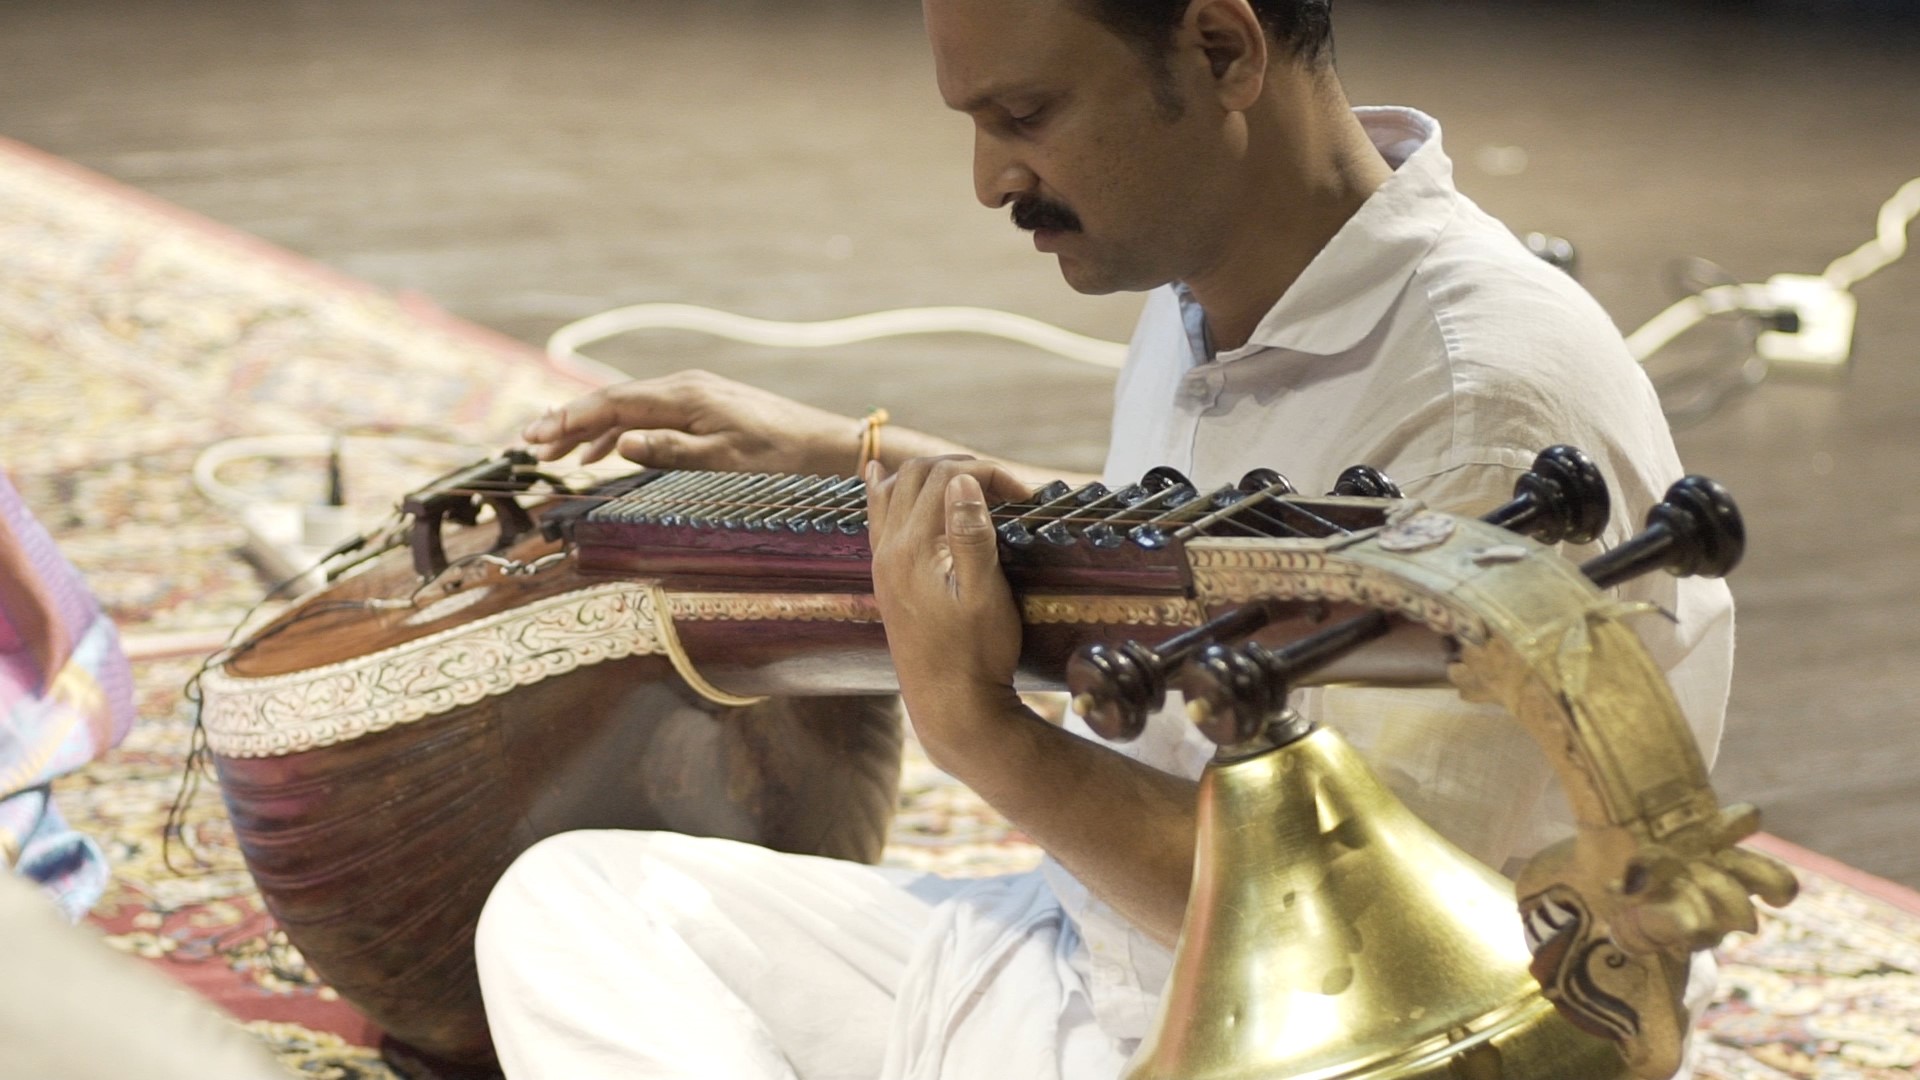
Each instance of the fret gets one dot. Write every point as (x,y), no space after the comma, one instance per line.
(753,519)
(843,510)
(794,518)
(720,507)
(1107,531)
(1236,512)
(1152,533)
(677,512)
(1092,498)
(635,506)
(1020,532)
(1163,510)
(778,517)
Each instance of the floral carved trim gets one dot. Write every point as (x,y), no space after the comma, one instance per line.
(1110,611)
(306,710)
(1238,571)
(860,608)
(772,607)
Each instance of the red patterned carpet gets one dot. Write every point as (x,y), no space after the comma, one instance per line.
(134,336)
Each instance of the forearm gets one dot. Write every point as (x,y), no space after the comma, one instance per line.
(1124,829)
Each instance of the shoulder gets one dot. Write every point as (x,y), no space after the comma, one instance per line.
(1531,357)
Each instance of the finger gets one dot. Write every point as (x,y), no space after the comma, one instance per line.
(970,535)
(664,448)
(878,490)
(909,510)
(655,403)
(1003,487)
(600,447)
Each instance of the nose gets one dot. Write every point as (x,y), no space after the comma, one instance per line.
(999,177)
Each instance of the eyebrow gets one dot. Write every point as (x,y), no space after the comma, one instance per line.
(992,94)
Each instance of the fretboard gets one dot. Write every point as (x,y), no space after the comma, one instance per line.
(746,525)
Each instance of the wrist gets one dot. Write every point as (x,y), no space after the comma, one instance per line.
(951,714)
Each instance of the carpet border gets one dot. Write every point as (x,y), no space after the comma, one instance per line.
(1889,892)
(414,303)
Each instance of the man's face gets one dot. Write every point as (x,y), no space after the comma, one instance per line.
(1073,131)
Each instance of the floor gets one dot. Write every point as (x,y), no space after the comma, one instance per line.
(524,164)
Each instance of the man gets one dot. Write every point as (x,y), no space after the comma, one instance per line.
(1320,297)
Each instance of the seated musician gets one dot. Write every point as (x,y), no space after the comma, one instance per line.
(1318,295)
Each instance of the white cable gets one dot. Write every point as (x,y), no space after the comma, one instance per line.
(563,347)
(1660,330)
(206,467)
(1887,247)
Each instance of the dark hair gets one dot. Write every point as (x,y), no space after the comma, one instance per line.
(1303,27)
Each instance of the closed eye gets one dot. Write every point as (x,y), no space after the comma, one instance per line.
(1029,120)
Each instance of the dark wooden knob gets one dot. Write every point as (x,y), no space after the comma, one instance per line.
(1115,688)
(1696,530)
(1562,499)
(1229,695)
(1366,482)
(1235,694)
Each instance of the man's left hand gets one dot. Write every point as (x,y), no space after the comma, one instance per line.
(952,624)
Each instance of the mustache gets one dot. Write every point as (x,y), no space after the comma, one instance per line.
(1031,212)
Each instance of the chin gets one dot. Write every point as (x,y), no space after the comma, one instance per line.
(1090,279)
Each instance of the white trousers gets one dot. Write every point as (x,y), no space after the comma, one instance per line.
(637,955)
(634,954)
(659,955)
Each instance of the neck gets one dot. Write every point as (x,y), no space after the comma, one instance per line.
(1310,167)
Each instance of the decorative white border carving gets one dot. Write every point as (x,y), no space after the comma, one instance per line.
(306,710)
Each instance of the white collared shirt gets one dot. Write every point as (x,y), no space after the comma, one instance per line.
(1426,341)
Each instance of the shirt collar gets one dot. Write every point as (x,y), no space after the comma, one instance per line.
(1350,285)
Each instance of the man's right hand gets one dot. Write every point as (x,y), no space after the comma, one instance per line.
(696,420)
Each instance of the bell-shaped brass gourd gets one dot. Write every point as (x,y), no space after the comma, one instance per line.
(1331,933)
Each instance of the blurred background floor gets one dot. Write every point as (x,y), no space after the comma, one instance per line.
(524,164)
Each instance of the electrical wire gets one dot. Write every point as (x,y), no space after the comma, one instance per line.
(1888,246)
(563,347)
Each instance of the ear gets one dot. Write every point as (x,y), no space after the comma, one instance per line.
(1235,44)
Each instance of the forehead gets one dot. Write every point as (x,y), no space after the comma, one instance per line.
(986,47)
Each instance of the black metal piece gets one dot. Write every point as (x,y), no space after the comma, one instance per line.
(1555,251)
(460,496)
(1563,499)
(1696,530)
(1116,687)
(1366,482)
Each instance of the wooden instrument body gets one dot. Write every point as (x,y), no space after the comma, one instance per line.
(376,854)
(375,847)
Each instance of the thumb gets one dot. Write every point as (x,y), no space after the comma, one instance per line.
(970,535)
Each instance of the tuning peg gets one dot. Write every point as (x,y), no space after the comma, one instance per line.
(1263,480)
(1695,530)
(1229,696)
(1116,687)
(1366,482)
(1563,498)
(1234,694)
(1163,477)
